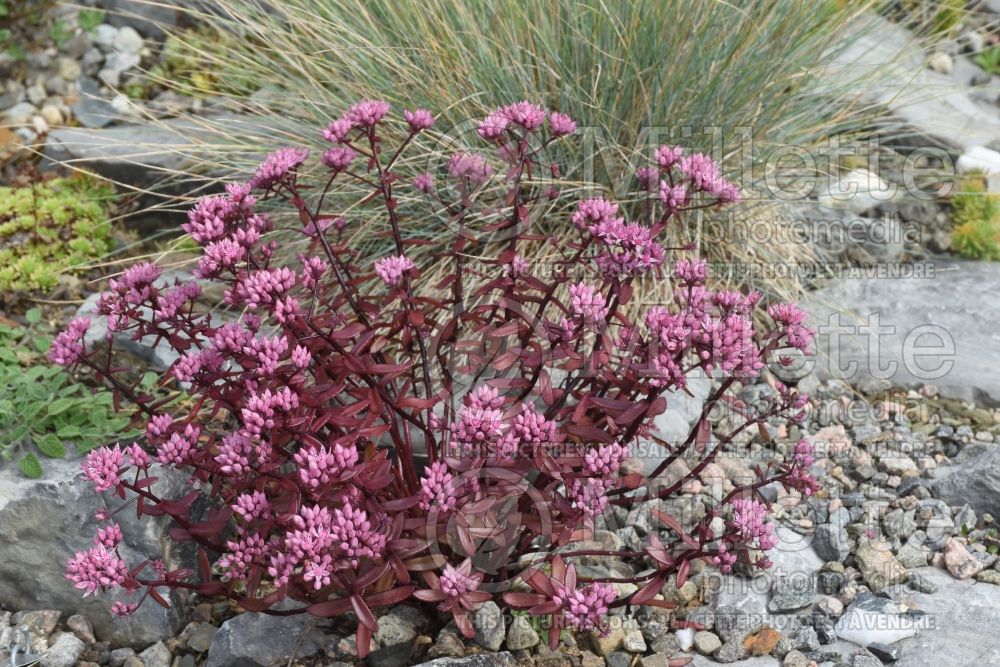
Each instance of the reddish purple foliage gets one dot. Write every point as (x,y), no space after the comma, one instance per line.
(330,434)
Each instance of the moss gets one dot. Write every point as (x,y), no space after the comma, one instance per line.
(977,219)
(51,228)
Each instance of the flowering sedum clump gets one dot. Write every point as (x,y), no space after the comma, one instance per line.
(361,437)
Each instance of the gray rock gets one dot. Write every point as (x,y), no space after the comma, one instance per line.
(250,640)
(792,592)
(40,623)
(199,638)
(489,625)
(655,660)
(919,583)
(43,523)
(76,46)
(394,629)
(898,524)
(831,543)
(448,645)
(884,652)
(64,652)
(961,615)
(942,311)
(865,659)
(806,639)
(879,566)
(848,236)
(138,154)
(391,656)
(884,53)
(502,659)
(616,659)
(674,425)
(796,659)
(733,623)
(92,110)
(36,94)
(68,69)
(975,483)
(82,628)
(20,113)
(118,657)
(157,655)
(634,643)
(521,635)
(706,642)
(151,19)
(731,651)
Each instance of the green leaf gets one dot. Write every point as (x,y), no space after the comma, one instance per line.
(89,19)
(30,466)
(51,446)
(148,380)
(60,405)
(118,424)
(69,431)
(33,316)
(42,343)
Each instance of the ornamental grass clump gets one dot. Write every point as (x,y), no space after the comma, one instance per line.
(358,438)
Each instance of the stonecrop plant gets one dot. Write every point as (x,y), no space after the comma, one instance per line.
(357,437)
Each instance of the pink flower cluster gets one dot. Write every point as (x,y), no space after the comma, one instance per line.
(586,608)
(527,116)
(102,467)
(626,248)
(799,476)
(587,303)
(470,166)
(67,348)
(392,269)
(747,529)
(792,321)
(319,466)
(96,570)
(278,166)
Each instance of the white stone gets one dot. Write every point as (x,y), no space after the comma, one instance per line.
(128,41)
(979,158)
(105,36)
(866,627)
(122,62)
(36,94)
(685,637)
(52,115)
(941,62)
(40,124)
(109,77)
(856,191)
(68,69)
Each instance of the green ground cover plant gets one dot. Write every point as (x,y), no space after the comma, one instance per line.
(43,409)
(977,219)
(50,228)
